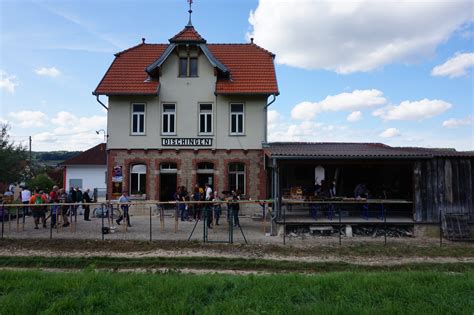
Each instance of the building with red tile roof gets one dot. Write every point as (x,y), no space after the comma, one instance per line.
(189,112)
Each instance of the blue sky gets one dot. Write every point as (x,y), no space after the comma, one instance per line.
(366,71)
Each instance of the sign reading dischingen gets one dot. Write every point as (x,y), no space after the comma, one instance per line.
(186,142)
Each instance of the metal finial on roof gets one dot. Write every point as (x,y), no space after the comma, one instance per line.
(190,12)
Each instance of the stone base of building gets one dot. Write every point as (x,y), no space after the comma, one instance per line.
(186,172)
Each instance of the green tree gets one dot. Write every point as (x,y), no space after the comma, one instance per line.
(41,181)
(12,158)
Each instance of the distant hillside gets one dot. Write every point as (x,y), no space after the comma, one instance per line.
(53,158)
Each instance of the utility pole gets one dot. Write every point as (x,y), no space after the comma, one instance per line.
(30,148)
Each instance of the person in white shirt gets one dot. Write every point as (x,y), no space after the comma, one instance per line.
(208,192)
(123,199)
(25,199)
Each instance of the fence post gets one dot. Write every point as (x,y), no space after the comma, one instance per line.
(440,230)
(51,222)
(340,227)
(150,227)
(102,216)
(3,217)
(385,223)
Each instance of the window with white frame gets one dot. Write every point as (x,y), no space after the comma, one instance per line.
(138,179)
(168,122)
(237,177)
(205,118)
(236,119)
(138,119)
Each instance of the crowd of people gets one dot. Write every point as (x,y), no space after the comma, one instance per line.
(191,210)
(39,202)
(62,205)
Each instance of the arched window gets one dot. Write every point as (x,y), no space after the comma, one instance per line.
(237,177)
(138,179)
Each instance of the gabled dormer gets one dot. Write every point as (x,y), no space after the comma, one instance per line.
(188,44)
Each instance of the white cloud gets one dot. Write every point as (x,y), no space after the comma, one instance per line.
(354,116)
(390,133)
(8,82)
(64,119)
(456,66)
(456,123)
(29,119)
(48,72)
(417,110)
(70,132)
(358,35)
(344,101)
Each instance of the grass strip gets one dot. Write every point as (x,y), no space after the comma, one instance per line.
(91,292)
(219,263)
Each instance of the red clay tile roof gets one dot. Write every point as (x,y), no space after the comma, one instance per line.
(126,74)
(328,150)
(188,34)
(251,70)
(94,156)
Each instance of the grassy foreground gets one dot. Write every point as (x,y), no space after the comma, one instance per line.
(92,292)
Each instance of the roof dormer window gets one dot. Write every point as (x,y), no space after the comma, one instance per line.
(188,66)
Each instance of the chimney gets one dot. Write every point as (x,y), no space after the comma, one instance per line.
(143,40)
(251,40)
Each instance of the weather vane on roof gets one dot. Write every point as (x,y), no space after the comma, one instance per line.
(190,12)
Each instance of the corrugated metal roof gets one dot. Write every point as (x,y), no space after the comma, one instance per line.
(332,150)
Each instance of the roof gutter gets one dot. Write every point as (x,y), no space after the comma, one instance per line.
(309,157)
(98,100)
(265,114)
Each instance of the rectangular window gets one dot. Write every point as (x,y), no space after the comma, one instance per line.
(193,67)
(183,67)
(169,119)
(75,182)
(237,119)
(237,177)
(205,119)
(188,67)
(138,119)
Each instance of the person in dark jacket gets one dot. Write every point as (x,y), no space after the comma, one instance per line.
(86,199)
(235,207)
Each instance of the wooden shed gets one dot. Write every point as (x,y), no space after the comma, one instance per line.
(429,181)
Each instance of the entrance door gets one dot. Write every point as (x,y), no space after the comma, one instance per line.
(204,179)
(168,181)
(168,184)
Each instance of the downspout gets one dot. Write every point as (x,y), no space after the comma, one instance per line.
(98,100)
(265,111)
(107,197)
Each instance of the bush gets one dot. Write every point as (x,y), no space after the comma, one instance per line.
(42,181)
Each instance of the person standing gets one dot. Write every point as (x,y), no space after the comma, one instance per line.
(54,199)
(217,206)
(25,199)
(235,207)
(182,205)
(78,197)
(38,199)
(63,198)
(123,200)
(87,199)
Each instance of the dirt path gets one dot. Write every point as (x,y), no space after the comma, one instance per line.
(366,257)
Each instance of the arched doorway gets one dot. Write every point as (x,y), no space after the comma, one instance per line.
(168,180)
(205,174)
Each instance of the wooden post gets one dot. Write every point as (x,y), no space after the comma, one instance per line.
(17,220)
(176,218)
